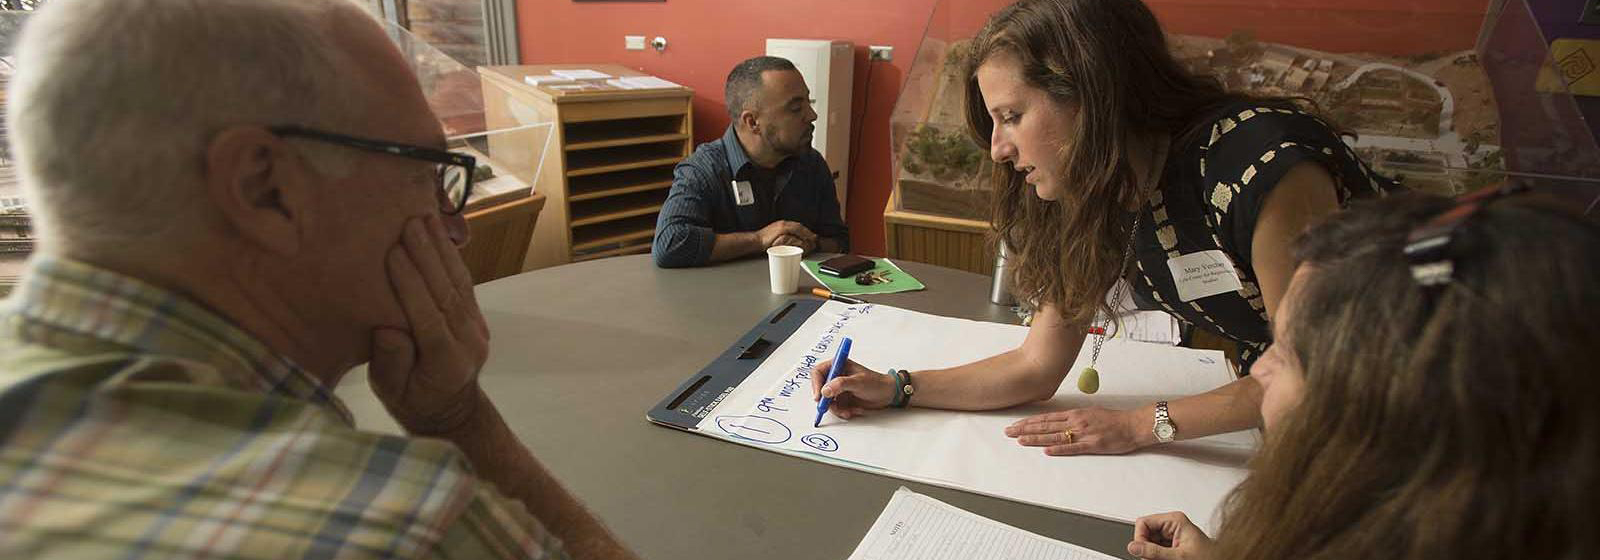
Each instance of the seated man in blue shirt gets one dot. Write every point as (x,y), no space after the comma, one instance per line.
(760,185)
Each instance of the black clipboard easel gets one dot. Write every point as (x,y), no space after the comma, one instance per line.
(697,396)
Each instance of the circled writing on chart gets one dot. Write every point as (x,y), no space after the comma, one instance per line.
(755,428)
(820,442)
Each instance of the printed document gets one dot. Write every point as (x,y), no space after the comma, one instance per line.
(918,527)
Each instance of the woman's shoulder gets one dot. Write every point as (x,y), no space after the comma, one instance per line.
(1248,147)
(1242,131)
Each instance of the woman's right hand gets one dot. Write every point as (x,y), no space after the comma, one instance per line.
(1169,536)
(856,389)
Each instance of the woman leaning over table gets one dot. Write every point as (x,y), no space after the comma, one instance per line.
(1116,163)
(1427,405)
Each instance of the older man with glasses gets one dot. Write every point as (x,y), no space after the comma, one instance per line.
(238,201)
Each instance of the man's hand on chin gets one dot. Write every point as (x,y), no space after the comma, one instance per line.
(427,378)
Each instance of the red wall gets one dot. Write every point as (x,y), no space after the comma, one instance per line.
(705,38)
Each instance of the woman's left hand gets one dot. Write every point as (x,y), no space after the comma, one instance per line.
(1081,431)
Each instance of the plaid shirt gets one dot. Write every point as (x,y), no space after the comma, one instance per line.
(135,423)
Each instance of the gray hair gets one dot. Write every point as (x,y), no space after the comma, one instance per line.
(115,101)
(745,81)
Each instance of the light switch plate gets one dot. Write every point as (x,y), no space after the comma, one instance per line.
(633,42)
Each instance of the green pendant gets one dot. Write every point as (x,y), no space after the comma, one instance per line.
(1089,381)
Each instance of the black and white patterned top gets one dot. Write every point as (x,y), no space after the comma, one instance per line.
(1211,193)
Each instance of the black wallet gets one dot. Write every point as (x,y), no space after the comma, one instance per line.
(845,265)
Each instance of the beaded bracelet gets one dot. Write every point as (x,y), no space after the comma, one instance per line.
(894,400)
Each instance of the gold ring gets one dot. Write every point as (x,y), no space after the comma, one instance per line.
(1069,436)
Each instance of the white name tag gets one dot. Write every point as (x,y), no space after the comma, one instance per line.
(1203,274)
(742,195)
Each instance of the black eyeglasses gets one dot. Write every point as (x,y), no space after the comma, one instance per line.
(1433,247)
(454,170)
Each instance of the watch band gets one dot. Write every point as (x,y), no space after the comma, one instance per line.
(903,388)
(908,389)
(1164,420)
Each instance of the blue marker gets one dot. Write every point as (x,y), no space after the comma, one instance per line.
(833,372)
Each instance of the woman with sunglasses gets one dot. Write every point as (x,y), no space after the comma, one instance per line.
(1429,393)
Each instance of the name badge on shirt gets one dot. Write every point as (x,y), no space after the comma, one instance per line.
(742,195)
(1203,274)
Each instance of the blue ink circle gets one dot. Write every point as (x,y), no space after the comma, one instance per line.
(820,442)
(755,428)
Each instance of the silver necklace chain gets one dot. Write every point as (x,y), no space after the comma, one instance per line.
(1116,291)
(1089,380)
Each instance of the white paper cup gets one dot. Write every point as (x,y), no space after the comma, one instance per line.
(783,265)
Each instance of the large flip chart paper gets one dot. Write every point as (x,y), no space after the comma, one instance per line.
(773,409)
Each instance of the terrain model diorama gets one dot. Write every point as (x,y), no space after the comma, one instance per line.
(1428,119)
(1411,116)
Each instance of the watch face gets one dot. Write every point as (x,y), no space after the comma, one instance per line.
(1165,431)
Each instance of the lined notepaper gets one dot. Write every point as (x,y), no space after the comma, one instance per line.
(914,526)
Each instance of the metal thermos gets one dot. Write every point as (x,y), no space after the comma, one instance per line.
(1002,276)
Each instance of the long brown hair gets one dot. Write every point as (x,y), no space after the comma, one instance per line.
(1456,423)
(1109,59)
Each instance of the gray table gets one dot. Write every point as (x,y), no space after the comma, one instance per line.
(580,353)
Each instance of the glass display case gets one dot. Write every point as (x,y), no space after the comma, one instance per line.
(503,209)
(510,153)
(1444,95)
(455,27)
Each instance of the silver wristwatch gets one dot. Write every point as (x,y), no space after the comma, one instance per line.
(1164,429)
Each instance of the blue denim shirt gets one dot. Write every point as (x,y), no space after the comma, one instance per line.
(701,203)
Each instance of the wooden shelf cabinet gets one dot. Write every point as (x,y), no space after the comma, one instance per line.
(609,165)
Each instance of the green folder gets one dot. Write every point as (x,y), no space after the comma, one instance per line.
(898,280)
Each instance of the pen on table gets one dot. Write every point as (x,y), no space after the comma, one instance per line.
(825,293)
(838,365)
